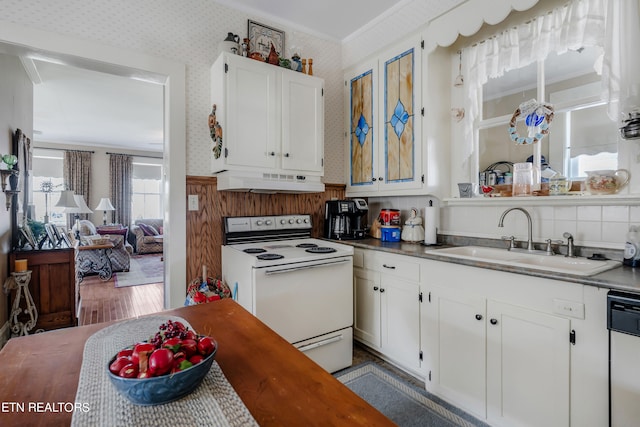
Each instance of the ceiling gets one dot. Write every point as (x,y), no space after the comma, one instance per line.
(83,107)
(334,19)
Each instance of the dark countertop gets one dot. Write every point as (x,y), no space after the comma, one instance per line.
(621,278)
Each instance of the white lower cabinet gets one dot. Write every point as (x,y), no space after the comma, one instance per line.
(511,349)
(387,306)
(499,361)
(498,346)
(527,367)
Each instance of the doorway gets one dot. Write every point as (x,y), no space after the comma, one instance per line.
(20,41)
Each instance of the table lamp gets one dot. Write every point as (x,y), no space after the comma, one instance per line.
(82,208)
(104,206)
(67,200)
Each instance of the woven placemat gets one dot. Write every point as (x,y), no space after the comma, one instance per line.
(213,403)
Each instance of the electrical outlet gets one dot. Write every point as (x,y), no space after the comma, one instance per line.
(193,202)
(568,308)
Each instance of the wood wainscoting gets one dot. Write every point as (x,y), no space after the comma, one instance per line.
(204,226)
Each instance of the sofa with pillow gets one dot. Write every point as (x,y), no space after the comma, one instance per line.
(148,234)
(120,255)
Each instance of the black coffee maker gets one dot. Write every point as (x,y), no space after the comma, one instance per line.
(345,219)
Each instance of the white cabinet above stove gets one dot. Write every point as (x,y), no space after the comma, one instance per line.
(272,122)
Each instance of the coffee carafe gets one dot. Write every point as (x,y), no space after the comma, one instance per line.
(344,219)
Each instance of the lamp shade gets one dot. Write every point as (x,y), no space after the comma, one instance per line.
(67,200)
(82,206)
(105,205)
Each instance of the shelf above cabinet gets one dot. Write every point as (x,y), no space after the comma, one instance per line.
(577,200)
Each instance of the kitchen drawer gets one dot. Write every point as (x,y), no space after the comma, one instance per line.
(396,265)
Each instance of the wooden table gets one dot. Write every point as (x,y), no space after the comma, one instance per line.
(279,385)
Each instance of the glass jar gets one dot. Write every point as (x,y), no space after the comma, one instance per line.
(522,179)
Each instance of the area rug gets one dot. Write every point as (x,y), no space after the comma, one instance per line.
(401,402)
(144,269)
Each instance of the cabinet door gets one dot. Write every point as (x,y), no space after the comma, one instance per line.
(400,165)
(400,314)
(361,98)
(302,122)
(252,113)
(527,367)
(366,323)
(456,337)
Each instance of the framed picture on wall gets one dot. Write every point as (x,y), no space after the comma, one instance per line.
(262,36)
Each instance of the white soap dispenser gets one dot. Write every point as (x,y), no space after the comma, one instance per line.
(632,248)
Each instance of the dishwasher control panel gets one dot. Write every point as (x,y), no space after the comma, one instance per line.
(623,312)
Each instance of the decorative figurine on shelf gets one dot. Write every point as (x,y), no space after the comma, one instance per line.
(215,131)
(538,117)
(245,47)
(310,70)
(273,56)
(296,64)
(304,66)
(285,63)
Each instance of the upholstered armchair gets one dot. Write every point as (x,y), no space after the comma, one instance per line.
(148,234)
(120,254)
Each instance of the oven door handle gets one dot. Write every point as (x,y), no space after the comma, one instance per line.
(304,267)
(320,343)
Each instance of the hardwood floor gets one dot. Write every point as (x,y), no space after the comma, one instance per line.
(103,302)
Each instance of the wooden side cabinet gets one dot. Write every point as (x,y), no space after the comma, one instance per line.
(52,286)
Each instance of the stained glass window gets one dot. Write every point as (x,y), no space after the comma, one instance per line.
(399,118)
(362,132)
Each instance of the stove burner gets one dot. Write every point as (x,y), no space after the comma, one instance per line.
(254,250)
(269,257)
(306,245)
(320,250)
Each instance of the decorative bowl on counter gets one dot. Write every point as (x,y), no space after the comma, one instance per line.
(165,388)
(606,181)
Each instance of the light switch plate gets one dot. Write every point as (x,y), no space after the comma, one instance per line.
(193,202)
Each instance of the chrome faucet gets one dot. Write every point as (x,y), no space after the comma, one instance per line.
(529,225)
(570,248)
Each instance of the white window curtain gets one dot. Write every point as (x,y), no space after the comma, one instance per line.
(580,23)
(621,65)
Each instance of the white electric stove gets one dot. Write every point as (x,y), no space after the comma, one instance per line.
(301,287)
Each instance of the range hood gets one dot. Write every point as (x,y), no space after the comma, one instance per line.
(270,183)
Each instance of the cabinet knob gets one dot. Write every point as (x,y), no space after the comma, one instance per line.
(380,179)
(493,321)
(478,316)
(374,179)
(286,154)
(273,153)
(375,288)
(381,289)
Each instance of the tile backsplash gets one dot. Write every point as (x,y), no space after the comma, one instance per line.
(593,226)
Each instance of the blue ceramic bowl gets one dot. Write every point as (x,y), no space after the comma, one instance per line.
(164,389)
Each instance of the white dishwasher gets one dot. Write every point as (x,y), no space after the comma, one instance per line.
(623,322)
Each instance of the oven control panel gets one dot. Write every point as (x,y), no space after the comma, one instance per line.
(265,223)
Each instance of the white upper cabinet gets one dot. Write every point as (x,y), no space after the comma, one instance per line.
(271,118)
(302,122)
(384,114)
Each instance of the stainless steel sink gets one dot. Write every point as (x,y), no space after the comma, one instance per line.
(540,261)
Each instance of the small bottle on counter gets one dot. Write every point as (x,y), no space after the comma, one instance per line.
(632,248)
